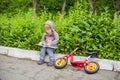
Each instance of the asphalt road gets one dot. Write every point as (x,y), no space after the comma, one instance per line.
(22,69)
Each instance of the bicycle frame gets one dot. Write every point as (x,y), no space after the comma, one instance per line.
(75,64)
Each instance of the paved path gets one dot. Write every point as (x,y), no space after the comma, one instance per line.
(19,69)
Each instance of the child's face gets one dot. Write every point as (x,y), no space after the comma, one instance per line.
(47,28)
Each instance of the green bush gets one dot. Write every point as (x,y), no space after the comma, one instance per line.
(95,33)
(19,31)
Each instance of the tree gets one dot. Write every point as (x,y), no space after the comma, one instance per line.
(34,7)
(116,4)
(92,8)
(63,7)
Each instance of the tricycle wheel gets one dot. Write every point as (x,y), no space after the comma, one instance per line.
(60,63)
(91,67)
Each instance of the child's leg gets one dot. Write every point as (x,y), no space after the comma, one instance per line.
(50,52)
(42,55)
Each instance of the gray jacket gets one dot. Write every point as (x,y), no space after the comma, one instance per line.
(51,38)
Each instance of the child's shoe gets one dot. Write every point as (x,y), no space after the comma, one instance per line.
(51,63)
(40,62)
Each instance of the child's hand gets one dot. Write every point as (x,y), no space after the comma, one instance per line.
(46,44)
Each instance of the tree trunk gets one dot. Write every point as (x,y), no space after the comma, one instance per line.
(34,8)
(92,8)
(116,5)
(63,7)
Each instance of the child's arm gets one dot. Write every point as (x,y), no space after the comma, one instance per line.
(55,42)
(43,38)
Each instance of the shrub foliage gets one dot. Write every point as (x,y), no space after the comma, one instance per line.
(95,33)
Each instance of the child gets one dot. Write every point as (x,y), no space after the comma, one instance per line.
(49,42)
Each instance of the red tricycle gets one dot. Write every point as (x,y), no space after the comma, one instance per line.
(90,67)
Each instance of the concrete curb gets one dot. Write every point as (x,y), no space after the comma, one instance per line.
(34,55)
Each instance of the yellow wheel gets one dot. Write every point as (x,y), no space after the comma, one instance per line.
(60,63)
(92,67)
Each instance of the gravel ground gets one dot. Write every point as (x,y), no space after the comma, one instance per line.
(22,69)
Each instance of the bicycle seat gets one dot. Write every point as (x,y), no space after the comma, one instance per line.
(92,54)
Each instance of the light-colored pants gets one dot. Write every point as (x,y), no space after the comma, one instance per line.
(48,50)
